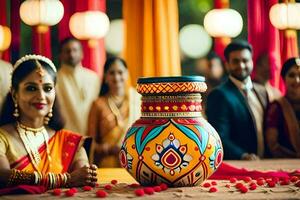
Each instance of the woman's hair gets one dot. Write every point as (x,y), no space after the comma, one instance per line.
(288,64)
(19,74)
(104,88)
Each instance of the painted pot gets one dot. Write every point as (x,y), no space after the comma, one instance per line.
(171,143)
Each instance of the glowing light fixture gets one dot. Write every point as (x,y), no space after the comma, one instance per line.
(285,16)
(114,40)
(89,25)
(194,41)
(223,23)
(5,38)
(41,13)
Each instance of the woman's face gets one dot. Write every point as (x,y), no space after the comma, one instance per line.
(292,81)
(35,96)
(116,76)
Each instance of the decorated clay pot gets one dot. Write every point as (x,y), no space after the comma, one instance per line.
(171,143)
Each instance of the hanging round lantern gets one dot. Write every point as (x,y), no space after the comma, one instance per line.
(285,16)
(5,38)
(89,25)
(194,41)
(41,12)
(114,40)
(223,23)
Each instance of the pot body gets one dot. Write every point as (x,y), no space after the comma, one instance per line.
(171,143)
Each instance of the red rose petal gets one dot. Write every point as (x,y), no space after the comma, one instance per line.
(252,182)
(87,188)
(260,182)
(214,183)
(285,182)
(74,190)
(114,182)
(297,184)
(213,189)
(97,185)
(260,178)
(70,193)
(108,187)
(233,180)
(149,190)
(101,193)
(207,185)
(253,186)
(163,186)
(247,179)
(243,189)
(239,185)
(134,185)
(157,189)
(294,179)
(275,179)
(271,184)
(139,192)
(57,192)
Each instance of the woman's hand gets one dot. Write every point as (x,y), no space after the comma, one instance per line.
(86,175)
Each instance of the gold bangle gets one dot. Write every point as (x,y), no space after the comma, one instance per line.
(18,177)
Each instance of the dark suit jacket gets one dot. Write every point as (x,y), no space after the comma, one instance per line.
(229,113)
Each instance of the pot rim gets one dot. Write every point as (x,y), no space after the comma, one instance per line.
(164,79)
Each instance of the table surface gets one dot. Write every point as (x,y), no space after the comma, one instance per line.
(122,191)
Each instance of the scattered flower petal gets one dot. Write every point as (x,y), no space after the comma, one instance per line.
(101,194)
(139,192)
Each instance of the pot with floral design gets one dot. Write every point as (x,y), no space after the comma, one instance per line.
(171,143)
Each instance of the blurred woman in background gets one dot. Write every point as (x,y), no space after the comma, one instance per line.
(117,107)
(283,117)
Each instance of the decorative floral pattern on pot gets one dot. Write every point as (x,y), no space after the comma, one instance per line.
(171,143)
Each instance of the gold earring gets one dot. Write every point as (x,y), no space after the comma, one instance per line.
(48,117)
(16,111)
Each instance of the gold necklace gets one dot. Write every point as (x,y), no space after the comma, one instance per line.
(34,130)
(31,138)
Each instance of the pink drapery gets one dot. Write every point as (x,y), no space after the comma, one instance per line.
(3,21)
(94,57)
(221,42)
(264,37)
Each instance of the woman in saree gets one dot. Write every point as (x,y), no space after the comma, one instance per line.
(34,149)
(283,117)
(112,113)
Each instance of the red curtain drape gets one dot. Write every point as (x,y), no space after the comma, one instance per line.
(221,42)
(289,44)
(41,41)
(264,37)
(3,21)
(15,29)
(94,56)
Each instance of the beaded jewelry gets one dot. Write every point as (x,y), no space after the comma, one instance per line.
(31,136)
(20,177)
(49,180)
(16,111)
(34,57)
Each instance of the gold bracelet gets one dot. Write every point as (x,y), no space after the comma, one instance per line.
(19,177)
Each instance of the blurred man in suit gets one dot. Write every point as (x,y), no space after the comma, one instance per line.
(236,108)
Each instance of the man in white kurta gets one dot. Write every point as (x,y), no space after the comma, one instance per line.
(5,82)
(77,87)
